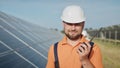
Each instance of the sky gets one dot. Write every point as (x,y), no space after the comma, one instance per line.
(47,13)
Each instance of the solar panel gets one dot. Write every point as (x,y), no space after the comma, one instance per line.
(23,44)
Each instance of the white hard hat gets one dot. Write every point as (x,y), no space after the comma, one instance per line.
(73,14)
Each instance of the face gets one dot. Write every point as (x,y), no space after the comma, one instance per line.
(73,30)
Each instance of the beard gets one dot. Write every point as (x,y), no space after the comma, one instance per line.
(73,37)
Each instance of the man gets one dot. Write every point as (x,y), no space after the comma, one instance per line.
(74,49)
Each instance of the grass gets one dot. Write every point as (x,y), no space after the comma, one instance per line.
(110,54)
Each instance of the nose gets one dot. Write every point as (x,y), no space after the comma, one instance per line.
(73,26)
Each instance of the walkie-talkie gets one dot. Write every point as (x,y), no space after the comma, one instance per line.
(92,43)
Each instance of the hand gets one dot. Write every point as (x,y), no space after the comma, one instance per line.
(84,50)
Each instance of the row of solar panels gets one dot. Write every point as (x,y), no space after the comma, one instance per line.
(22,44)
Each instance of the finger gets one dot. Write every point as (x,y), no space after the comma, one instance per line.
(84,46)
(81,49)
(78,51)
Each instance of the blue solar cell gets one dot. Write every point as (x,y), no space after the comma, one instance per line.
(2,48)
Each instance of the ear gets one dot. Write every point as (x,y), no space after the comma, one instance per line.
(83,24)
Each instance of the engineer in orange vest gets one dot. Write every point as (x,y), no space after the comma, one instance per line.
(73,50)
